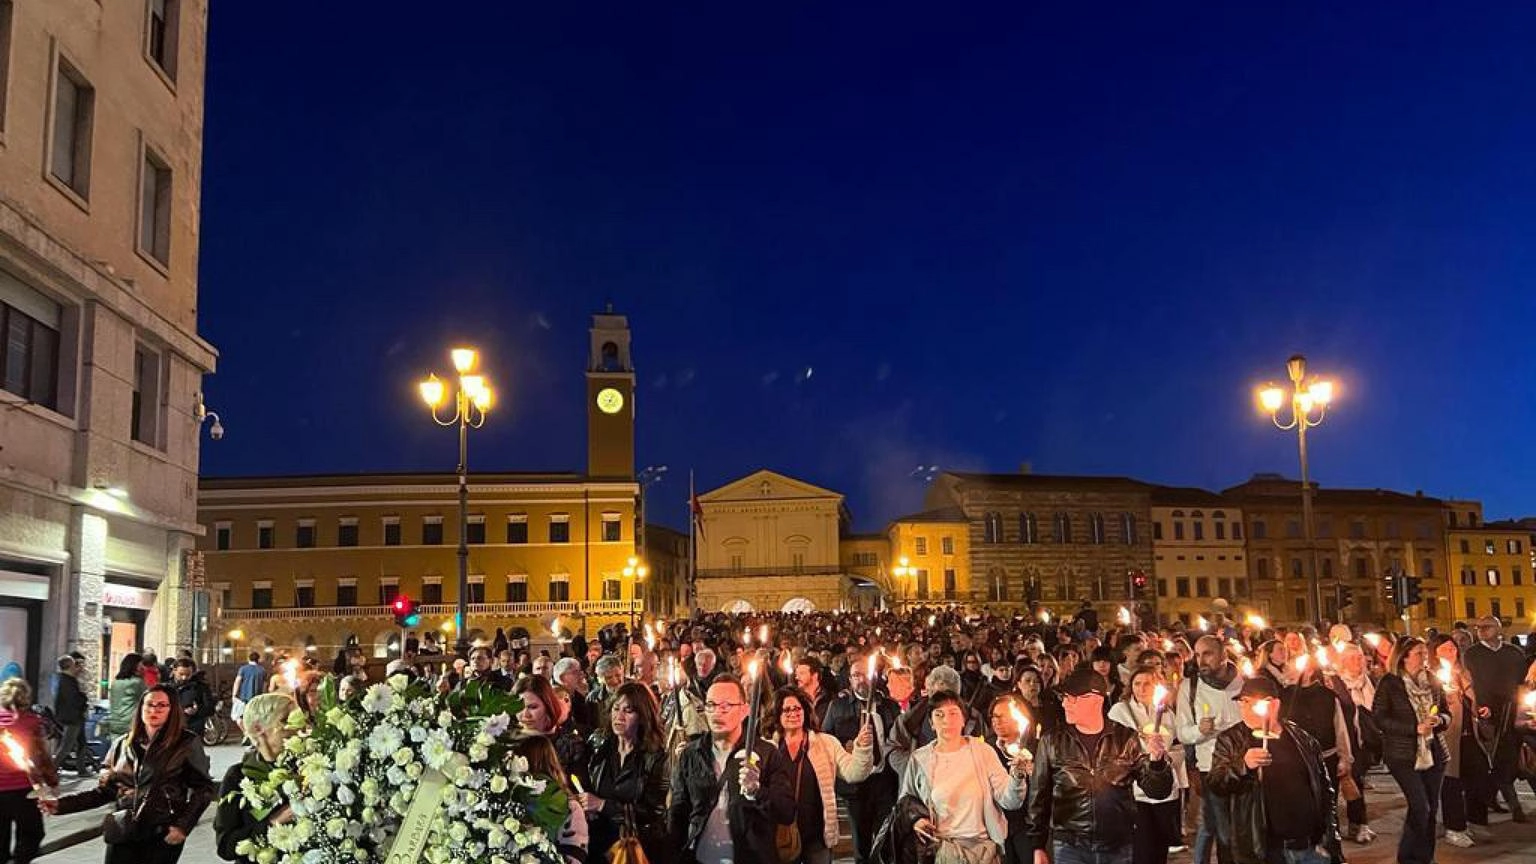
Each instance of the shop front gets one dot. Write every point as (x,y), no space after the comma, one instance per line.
(23,592)
(124,614)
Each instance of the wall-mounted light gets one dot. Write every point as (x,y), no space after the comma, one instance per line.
(201,413)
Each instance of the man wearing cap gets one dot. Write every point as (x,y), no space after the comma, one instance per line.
(1269,778)
(1080,799)
(1497,669)
(1205,706)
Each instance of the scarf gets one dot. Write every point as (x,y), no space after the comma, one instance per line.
(1221,679)
(1422,695)
(1362,691)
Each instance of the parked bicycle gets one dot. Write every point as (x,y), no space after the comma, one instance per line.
(219,725)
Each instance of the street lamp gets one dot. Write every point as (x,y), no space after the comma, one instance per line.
(902,570)
(1309,403)
(471,401)
(636,570)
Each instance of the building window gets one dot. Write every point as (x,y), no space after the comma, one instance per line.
(346,593)
(476,589)
(1471,519)
(1296,572)
(1224,585)
(1512,547)
(431,593)
(1263,567)
(1362,570)
(1519,607)
(143,425)
(1237,531)
(920,545)
(304,596)
(391,530)
(221,534)
(1471,609)
(1357,530)
(475,530)
(1514,575)
(29,324)
(1178,530)
(261,596)
(1301,609)
(517,529)
(1327,568)
(1199,528)
(389,589)
(1128,529)
(1181,586)
(1221,529)
(797,562)
(950,587)
(6,8)
(1157,530)
(517,589)
(264,535)
(1096,528)
(611,528)
(922,584)
(1466,547)
(74,110)
(432,531)
(160,35)
(1063,528)
(1495,608)
(1393,532)
(1260,530)
(1468,576)
(1488,547)
(736,565)
(560,589)
(992,527)
(560,528)
(155,208)
(1202,586)
(947,545)
(304,535)
(1493,576)
(1162,587)
(1029,528)
(346,532)
(613,589)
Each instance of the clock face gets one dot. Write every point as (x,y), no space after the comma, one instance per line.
(609,400)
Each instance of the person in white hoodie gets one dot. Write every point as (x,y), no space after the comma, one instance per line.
(816,760)
(1207,705)
(1157,818)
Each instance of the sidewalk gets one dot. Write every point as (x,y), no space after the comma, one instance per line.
(76,837)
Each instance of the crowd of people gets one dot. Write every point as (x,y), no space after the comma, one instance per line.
(948,737)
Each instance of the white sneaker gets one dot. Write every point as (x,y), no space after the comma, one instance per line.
(1458,839)
(1363,835)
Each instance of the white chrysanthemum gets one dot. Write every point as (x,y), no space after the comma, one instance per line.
(497,725)
(398,683)
(445,719)
(418,734)
(345,796)
(384,740)
(413,771)
(376,699)
(337,828)
(437,750)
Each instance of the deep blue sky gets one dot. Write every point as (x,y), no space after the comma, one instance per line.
(1074,235)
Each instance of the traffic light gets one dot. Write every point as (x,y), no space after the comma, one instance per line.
(1345,596)
(1138,585)
(1389,587)
(1413,591)
(407,612)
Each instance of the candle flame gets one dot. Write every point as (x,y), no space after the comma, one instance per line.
(1124,615)
(1373,639)
(870,674)
(554,628)
(1257,621)
(1045,617)
(1530,700)
(752,669)
(1203,624)
(788,665)
(1247,667)
(762,633)
(746,636)
(932,619)
(576,781)
(1018,717)
(1301,663)
(1261,707)
(1322,657)
(1159,693)
(1445,672)
(15,751)
(650,642)
(1167,644)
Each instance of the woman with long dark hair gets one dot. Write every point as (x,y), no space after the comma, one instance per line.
(157,777)
(542,713)
(816,762)
(1158,826)
(630,778)
(1411,711)
(543,761)
(124,695)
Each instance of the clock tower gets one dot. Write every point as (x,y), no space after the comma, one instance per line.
(610,399)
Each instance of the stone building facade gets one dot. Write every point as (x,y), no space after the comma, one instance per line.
(1198,553)
(101,118)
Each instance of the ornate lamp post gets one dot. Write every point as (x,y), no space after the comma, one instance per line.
(902,571)
(635,570)
(471,400)
(1309,401)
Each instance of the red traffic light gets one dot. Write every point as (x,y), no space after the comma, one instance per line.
(401,604)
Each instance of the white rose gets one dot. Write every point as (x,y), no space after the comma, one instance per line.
(498,784)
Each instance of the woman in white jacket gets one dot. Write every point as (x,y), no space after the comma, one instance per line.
(816,760)
(1158,826)
(965,788)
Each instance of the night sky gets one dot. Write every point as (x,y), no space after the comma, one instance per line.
(853,239)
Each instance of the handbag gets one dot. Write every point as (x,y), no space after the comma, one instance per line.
(1525,766)
(786,838)
(628,849)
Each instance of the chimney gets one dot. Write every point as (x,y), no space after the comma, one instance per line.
(1026,468)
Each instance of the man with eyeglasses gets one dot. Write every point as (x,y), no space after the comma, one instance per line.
(728,794)
(1497,669)
(1080,801)
(869,800)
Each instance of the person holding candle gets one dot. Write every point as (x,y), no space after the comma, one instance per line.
(157,772)
(266,728)
(1206,706)
(1460,742)
(728,792)
(1146,710)
(629,778)
(1496,668)
(815,762)
(1314,707)
(1009,727)
(861,705)
(28,768)
(1356,691)
(1268,778)
(1080,800)
(1410,709)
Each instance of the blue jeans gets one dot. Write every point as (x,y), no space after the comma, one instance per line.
(1422,790)
(1214,829)
(1061,853)
(1295,856)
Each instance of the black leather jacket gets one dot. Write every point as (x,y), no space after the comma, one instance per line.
(845,718)
(1087,802)
(1232,781)
(165,786)
(637,790)
(695,789)
(1399,724)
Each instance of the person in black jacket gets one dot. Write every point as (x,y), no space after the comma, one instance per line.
(158,771)
(1264,762)
(1080,798)
(871,799)
(265,727)
(629,779)
(192,692)
(728,794)
(70,709)
(1411,711)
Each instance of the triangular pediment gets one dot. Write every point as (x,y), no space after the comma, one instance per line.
(767,485)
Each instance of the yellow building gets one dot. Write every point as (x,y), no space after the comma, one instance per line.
(930,560)
(1197,554)
(1491,572)
(314,562)
(770,542)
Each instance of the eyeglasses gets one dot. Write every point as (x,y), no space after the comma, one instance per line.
(792,710)
(716,707)
(946,715)
(157,706)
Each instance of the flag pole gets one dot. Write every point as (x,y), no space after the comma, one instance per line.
(693,553)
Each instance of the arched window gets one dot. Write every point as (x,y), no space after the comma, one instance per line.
(1062,526)
(610,358)
(1096,528)
(1029,528)
(992,527)
(1128,528)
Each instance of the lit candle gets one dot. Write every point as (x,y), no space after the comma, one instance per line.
(1373,640)
(752,672)
(869,673)
(932,619)
(18,756)
(1159,698)
(1124,615)
(1257,621)
(1167,644)
(1530,704)
(1017,749)
(576,781)
(1203,624)
(1322,658)
(1237,646)
(787,665)
(1445,674)
(746,636)
(1261,708)
(1301,663)
(762,633)
(1247,668)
